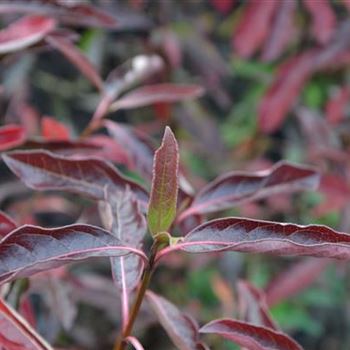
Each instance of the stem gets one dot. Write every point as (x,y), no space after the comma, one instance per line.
(120,344)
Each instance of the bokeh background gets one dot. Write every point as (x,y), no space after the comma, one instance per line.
(277,86)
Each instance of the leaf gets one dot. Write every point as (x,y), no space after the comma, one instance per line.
(151,94)
(6,224)
(324,20)
(250,336)
(294,279)
(75,56)
(51,129)
(234,188)
(257,236)
(25,32)
(282,31)
(31,249)
(42,170)
(134,342)
(253,306)
(11,136)
(16,333)
(162,204)
(336,106)
(138,146)
(223,6)
(181,329)
(253,27)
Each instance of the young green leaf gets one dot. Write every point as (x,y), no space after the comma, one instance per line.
(162,205)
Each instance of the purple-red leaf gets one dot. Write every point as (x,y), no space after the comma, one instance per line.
(250,336)
(74,55)
(181,329)
(16,333)
(6,224)
(234,188)
(151,94)
(43,170)
(253,27)
(252,305)
(51,129)
(31,249)
(162,204)
(11,136)
(25,32)
(255,236)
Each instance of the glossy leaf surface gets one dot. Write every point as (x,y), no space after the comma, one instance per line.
(180,328)
(255,236)
(16,333)
(236,187)
(147,95)
(11,136)
(250,336)
(43,170)
(31,249)
(162,205)
(25,32)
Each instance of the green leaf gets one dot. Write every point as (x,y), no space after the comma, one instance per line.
(162,205)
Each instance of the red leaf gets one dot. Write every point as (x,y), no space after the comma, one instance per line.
(281,95)
(181,329)
(337,105)
(31,249)
(6,224)
(43,170)
(25,32)
(253,27)
(16,333)
(53,130)
(162,204)
(324,20)
(250,336)
(150,94)
(253,306)
(235,188)
(74,55)
(11,136)
(223,6)
(295,279)
(255,236)
(282,30)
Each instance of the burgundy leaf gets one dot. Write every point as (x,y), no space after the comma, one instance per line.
(181,329)
(51,129)
(236,187)
(223,6)
(162,204)
(257,236)
(324,19)
(280,96)
(31,249)
(139,146)
(11,136)
(282,30)
(150,94)
(25,32)
(253,27)
(16,333)
(134,342)
(250,336)
(74,55)
(125,222)
(6,224)
(43,170)
(294,280)
(253,306)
